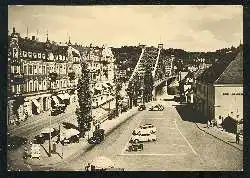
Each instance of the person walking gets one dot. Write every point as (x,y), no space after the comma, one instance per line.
(237,138)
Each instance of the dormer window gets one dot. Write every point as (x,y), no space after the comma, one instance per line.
(39,55)
(34,55)
(43,56)
(24,54)
(30,54)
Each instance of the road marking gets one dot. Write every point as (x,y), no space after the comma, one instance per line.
(186,139)
(153,154)
(156,118)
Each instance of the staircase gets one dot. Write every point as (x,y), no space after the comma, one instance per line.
(148,59)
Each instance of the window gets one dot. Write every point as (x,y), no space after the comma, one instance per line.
(35,69)
(43,56)
(30,69)
(31,86)
(43,70)
(34,55)
(233,93)
(24,54)
(25,69)
(39,55)
(30,54)
(225,93)
(15,69)
(13,88)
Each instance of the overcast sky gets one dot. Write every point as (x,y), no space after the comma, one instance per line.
(192,28)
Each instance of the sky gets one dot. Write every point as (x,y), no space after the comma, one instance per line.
(192,28)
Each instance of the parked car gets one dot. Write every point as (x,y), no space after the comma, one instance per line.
(58,110)
(157,107)
(146,128)
(145,137)
(135,147)
(98,137)
(141,107)
(45,134)
(72,139)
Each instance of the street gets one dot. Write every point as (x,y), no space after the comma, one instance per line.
(180,145)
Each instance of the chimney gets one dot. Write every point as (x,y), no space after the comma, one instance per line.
(160,46)
(33,38)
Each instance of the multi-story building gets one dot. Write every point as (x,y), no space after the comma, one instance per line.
(101,66)
(37,71)
(219,91)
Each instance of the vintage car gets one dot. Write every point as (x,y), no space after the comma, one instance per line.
(135,147)
(146,128)
(144,137)
(141,107)
(98,137)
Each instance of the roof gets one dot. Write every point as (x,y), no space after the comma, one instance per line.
(31,45)
(233,73)
(211,74)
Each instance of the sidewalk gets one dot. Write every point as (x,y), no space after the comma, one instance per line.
(74,150)
(224,136)
(187,113)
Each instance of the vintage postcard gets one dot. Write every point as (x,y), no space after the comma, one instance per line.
(125,88)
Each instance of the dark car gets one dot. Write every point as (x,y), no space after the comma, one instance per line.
(135,147)
(58,110)
(15,142)
(72,139)
(141,107)
(98,137)
(41,138)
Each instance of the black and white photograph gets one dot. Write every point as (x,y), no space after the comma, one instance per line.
(125,88)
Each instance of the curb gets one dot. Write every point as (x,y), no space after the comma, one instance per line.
(217,137)
(87,146)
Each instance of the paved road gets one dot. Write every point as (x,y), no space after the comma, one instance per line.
(180,146)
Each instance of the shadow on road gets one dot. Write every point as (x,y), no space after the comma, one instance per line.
(68,125)
(187,113)
(14,142)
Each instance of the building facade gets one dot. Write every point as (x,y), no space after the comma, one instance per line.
(37,70)
(219,90)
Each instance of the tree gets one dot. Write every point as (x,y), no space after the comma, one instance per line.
(83,113)
(148,85)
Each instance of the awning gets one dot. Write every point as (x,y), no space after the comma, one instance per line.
(37,104)
(67,96)
(98,87)
(61,96)
(56,100)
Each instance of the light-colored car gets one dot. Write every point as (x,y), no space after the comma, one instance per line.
(146,128)
(145,137)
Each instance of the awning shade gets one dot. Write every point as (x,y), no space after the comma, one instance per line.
(61,96)
(37,104)
(56,100)
(105,85)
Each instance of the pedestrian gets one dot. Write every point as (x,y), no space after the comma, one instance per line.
(208,123)
(237,138)
(87,167)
